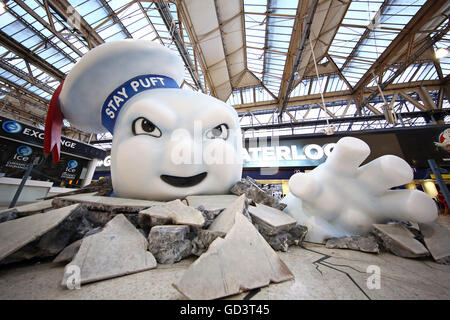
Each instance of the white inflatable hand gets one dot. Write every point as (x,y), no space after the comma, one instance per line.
(339,198)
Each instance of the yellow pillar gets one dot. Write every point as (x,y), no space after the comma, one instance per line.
(429,188)
(411,185)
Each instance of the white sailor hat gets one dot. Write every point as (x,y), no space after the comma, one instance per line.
(103,80)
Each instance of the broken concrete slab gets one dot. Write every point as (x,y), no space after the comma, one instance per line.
(253,190)
(169,243)
(282,240)
(102,187)
(271,220)
(172,212)
(211,202)
(209,215)
(240,262)
(397,239)
(101,203)
(25,210)
(437,240)
(225,221)
(359,243)
(119,249)
(42,235)
(67,254)
(202,241)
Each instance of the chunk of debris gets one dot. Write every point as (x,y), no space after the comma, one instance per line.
(42,235)
(359,243)
(209,215)
(25,210)
(241,261)
(271,220)
(119,249)
(172,212)
(225,221)
(169,243)
(202,241)
(278,228)
(111,204)
(253,190)
(102,187)
(67,254)
(437,240)
(397,239)
(211,202)
(282,240)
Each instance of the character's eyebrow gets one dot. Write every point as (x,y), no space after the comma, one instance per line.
(155,111)
(214,117)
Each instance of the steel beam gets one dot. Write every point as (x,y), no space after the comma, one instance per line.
(29,56)
(23,75)
(116,19)
(338,96)
(283,96)
(166,16)
(48,26)
(311,123)
(413,26)
(68,13)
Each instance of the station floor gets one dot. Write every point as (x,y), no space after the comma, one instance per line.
(320,273)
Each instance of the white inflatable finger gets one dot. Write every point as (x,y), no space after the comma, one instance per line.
(409,205)
(347,155)
(384,173)
(304,186)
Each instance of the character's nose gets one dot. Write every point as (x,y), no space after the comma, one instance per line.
(184,155)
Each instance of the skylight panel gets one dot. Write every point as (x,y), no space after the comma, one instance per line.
(6,18)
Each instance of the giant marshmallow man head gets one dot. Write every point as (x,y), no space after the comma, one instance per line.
(167,142)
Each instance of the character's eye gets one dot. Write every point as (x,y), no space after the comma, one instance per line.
(144,126)
(219,132)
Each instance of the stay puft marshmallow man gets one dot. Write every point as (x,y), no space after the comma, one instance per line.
(169,143)
(162,134)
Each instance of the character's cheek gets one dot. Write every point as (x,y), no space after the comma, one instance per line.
(220,152)
(139,152)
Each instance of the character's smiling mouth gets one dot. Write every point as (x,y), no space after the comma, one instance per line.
(183,181)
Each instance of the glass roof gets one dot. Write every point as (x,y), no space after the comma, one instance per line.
(367,29)
(268,37)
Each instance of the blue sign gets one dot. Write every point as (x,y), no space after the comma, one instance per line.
(12,126)
(115,101)
(24,151)
(72,164)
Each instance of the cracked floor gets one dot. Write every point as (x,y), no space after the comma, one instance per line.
(320,273)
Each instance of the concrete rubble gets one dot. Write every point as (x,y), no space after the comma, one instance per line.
(219,272)
(42,235)
(271,220)
(101,203)
(211,202)
(25,210)
(399,240)
(278,228)
(67,254)
(359,243)
(108,237)
(119,249)
(225,221)
(102,187)
(203,239)
(172,212)
(437,240)
(169,243)
(254,190)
